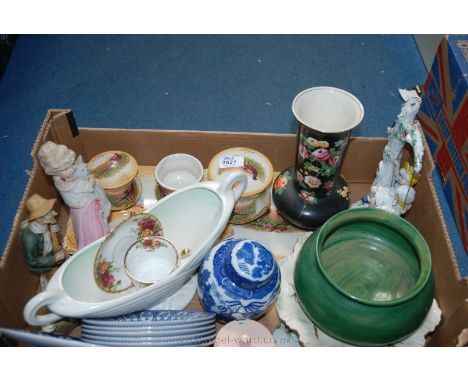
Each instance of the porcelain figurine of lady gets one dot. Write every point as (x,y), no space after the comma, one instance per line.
(312,191)
(89,206)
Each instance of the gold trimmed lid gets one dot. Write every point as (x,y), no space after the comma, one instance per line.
(113,168)
(253,163)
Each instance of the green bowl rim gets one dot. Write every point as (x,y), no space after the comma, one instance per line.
(401,225)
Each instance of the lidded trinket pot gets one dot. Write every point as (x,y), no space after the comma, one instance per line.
(117,173)
(256,199)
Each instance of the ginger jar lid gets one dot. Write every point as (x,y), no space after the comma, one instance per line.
(249,264)
(253,163)
(113,169)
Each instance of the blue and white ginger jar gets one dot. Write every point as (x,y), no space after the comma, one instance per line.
(238,279)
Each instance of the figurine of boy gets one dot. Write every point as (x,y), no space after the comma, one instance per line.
(89,206)
(37,236)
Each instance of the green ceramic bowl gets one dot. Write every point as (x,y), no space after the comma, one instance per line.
(365,277)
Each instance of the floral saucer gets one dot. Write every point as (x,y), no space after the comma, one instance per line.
(109,270)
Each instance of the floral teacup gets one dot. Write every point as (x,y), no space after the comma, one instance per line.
(149,260)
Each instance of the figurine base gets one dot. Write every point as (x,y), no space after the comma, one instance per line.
(310,215)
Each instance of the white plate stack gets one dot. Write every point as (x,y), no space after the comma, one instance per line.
(152,328)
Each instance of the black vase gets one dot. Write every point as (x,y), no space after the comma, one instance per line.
(312,191)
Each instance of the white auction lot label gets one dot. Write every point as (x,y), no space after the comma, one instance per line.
(228,161)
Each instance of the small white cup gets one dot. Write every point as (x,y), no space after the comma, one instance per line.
(177,171)
(149,260)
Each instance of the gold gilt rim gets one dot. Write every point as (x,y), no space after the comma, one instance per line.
(214,165)
(134,278)
(107,238)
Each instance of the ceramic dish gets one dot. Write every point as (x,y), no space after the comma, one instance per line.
(256,199)
(156,337)
(154,316)
(147,330)
(181,298)
(244,333)
(193,217)
(153,325)
(150,326)
(109,269)
(43,339)
(201,341)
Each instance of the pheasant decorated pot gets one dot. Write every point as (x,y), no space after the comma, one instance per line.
(117,173)
(238,279)
(256,199)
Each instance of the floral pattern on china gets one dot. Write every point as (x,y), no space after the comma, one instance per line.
(149,260)
(109,270)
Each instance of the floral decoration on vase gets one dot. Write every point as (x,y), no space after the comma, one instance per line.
(317,161)
(281,182)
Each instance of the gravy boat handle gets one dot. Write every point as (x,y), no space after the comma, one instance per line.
(235,181)
(41,300)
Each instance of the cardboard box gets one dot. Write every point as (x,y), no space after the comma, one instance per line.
(444,117)
(18,285)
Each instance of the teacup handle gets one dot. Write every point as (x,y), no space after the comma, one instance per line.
(235,181)
(40,300)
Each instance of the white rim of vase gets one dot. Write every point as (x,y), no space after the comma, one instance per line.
(338,90)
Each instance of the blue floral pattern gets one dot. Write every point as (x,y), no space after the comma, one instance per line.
(238,279)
